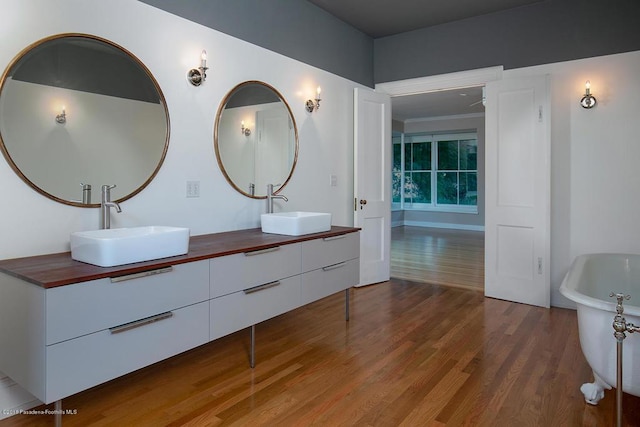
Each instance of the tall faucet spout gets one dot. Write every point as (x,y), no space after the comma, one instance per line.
(114,205)
(105,207)
(271,196)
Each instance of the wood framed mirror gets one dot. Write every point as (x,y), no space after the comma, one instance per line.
(77,110)
(255,139)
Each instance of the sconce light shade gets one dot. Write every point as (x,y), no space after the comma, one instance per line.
(245,130)
(197,76)
(311,104)
(588,100)
(62,117)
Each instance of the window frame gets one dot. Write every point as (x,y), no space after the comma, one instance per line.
(434,139)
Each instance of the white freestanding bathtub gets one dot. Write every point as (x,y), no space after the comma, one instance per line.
(589,282)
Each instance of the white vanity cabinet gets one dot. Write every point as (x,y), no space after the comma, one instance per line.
(83,308)
(77,336)
(329,265)
(251,287)
(93,359)
(66,326)
(254,286)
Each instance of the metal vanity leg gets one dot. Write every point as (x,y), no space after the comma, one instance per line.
(346,304)
(58,413)
(252,361)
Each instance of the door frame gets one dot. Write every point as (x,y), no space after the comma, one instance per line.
(457,80)
(461,79)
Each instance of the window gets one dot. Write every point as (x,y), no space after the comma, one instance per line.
(396,173)
(435,172)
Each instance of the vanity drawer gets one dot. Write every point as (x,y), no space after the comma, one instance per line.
(328,280)
(84,362)
(328,251)
(234,273)
(239,310)
(87,307)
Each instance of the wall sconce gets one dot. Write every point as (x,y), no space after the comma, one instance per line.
(314,105)
(62,117)
(244,130)
(197,76)
(588,100)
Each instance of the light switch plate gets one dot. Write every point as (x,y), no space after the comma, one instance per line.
(193,188)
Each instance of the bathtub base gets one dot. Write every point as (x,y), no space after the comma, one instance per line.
(594,392)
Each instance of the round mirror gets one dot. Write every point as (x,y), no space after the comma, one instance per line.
(256,139)
(78,112)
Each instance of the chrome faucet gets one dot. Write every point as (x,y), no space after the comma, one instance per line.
(271,196)
(105,206)
(86,193)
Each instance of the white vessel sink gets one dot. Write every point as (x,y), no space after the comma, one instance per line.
(295,223)
(118,246)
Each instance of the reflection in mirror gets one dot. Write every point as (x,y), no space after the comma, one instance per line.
(78,112)
(267,152)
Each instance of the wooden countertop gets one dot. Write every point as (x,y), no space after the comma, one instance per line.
(52,270)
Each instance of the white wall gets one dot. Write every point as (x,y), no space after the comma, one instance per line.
(595,154)
(31,224)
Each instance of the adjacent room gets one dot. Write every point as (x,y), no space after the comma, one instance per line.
(438,188)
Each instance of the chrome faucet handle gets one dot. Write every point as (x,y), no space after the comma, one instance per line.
(106,192)
(620,297)
(86,193)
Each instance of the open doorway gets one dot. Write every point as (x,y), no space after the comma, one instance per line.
(517,129)
(438,199)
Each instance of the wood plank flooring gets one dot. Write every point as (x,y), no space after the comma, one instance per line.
(438,256)
(413,354)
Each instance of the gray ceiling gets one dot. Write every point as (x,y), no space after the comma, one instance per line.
(380,18)
(438,104)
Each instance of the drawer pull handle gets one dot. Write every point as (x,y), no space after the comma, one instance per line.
(327,239)
(141,322)
(141,274)
(261,287)
(262,251)
(334,266)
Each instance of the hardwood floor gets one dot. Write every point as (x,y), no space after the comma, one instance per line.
(413,354)
(438,256)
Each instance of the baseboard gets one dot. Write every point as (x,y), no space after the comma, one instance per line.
(14,398)
(443,225)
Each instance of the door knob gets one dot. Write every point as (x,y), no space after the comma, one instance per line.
(363,202)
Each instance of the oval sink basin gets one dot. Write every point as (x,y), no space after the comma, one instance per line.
(118,246)
(295,223)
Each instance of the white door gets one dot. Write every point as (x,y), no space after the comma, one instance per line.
(372,183)
(517,189)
